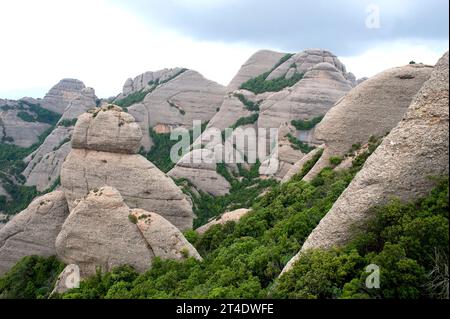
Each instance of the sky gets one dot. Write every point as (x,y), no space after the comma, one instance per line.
(104,42)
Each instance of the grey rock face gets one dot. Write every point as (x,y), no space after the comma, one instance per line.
(322,86)
(180,101)
(44,165)
(16,131)
(59,96)
(141,184)
(372,108)
(33,231)
(417,148)
(98,233)
(107,129)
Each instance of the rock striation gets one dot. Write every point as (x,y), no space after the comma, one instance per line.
(372,108)
(44,164)
(417,148)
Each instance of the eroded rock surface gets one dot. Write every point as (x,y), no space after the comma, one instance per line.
(33,231)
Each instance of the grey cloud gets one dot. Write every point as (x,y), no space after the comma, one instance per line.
(294,25)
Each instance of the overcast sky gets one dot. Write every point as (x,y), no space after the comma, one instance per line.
(105,42)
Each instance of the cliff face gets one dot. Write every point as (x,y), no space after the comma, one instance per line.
(402,166)
(372,108)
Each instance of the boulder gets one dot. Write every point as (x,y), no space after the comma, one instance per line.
(33,231)
(107,129)
(103,232)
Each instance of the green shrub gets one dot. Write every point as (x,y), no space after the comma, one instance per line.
(67,122)
(260,84)
(401,239)
(32,277)
(335,160)
(299,145)
(249,105)
(305,125)
(25,116)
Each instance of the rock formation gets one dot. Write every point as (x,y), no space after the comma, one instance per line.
(60,96)
(232,216)
(33,231)
(257,64)
(325,81)
(107,155)
(14,129)
(103,232)
(44,164)
(174,98)
(372,108)
(401,167)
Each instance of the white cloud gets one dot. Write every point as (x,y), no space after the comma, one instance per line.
(102,44)
(98,43)
(393,54)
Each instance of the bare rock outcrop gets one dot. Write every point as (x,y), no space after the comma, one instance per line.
(417,148)
(60,95)
(321,87)
(141,184)
(33,231)
(44,164)
(372,108)
(325,81)
(232,216)
(107,129)
(103,232)
(14,129)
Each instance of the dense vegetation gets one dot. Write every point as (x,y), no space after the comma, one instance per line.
(11,166)
(40,114)
(159,154)
(260,84)
(32,277)
(249,105)
(409,242)
(296,144)
(305,125)
(245,189)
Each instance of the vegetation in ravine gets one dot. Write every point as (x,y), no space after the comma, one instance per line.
(11,166)
(296,144)
(305,125)
(260,84)
(139,96)
(249,105)
(159,153)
